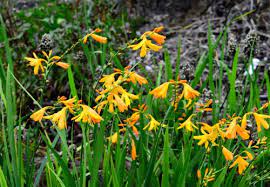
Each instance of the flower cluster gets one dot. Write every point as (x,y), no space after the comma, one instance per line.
(82,113)
(240,161)
(113,93)
(208,176)
(230,129)
(146,44)
(40,64)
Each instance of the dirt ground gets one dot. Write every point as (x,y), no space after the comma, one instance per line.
(190,24)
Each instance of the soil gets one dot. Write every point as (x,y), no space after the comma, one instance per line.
(189,21)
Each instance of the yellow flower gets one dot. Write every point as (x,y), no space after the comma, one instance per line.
(55,60)
(161,91)
(204,139)
(188,124)
(87,115)
(108,80)
(242,164)
(260,120)
(59,118)
(38,115)
(249,155)
(189,92)
(36,63)
(153,124)
(113,138)
(133,150)
(145,46)
(235,129)
(48,56)
(128,97)
(227,154)
(213,132)
(244,121)
(98,38)
(114,95)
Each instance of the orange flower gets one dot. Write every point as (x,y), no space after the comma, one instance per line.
(134,78)
(209,175)
(204,107)
(242,164)
(161,91)
(133,150)
(160,39)
(133,118)
(146,44)
(189,92)
(235,129)
(227,154)
(120,103)
(62,65)
(68,103)
(199,174)
(98,38)
(249,155)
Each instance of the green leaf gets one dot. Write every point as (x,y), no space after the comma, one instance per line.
(3,182)
(166,161)
(219,180)
(56,177)
(68,178)
(71,82)
(199,70)
(168,66)
(232,78)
